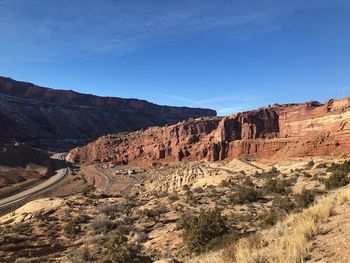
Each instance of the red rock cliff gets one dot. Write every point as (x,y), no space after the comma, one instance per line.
(281,130)
(56,118)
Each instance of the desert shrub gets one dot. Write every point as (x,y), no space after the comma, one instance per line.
(72,227)
(13,238)
(305,198)
(200,230)
(307,175)
(81,255)
(338,179)
(186,187)
(310,164)
(119,250)
(248,182)
(223,241)
(198,190)
(284,203)
(88,189)
(192,200)
(321,165)
(272,173)
(236,218)
(244,194)
(154,214)
(24,260)
(139,237)
(234,253)
(159,194)
(102,225)
(173,197)
(343,167)
(225,183)
(109,209)
(83,218)
(22,228)
(276,186)
(271,217)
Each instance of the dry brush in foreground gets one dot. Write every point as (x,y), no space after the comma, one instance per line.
(289,240)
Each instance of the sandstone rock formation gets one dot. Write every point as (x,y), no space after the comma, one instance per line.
(280,131)
(64,118)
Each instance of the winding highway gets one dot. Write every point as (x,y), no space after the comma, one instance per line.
(61,172)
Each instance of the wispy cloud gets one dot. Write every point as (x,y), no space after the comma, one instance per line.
(85,28)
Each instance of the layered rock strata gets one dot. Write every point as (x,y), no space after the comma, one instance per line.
(49,118)
(277,131)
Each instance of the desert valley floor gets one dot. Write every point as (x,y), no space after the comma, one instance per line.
(150,208)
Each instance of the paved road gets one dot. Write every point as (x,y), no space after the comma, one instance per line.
(61,173)
(108,179)
(128,181)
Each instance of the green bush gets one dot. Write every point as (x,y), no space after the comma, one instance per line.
(338,179)
(200,230)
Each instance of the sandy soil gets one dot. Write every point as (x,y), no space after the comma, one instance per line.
(332,244)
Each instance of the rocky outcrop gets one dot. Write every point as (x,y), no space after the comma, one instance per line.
(278,131)
(63,118)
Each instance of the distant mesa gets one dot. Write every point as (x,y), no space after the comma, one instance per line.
(62,119)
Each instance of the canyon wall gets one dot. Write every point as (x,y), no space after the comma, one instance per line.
(278,131)
(50,118)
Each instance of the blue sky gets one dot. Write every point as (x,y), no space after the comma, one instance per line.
(225,54)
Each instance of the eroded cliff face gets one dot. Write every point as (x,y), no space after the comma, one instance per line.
(51,118)
(279,131)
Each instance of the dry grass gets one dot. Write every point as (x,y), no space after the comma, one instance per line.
(288,241)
